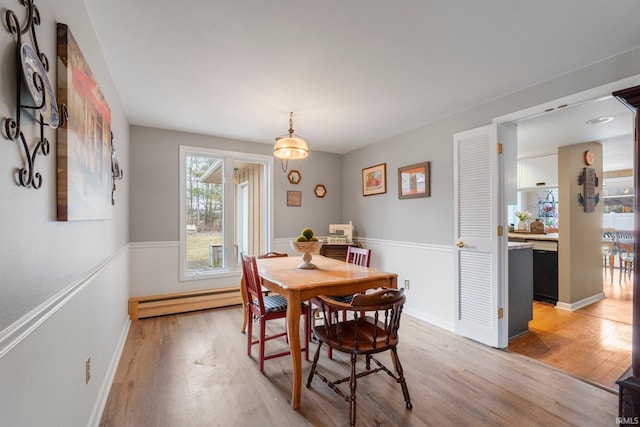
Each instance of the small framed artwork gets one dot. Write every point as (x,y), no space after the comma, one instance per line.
(294,177)
(320,191)
(294,199)
(374,180)
(414,181)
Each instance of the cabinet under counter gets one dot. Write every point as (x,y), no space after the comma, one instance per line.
(520,287)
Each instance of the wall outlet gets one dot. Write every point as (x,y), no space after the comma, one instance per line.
(87,370)
(406,283)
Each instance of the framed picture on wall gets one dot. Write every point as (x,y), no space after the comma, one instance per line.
(85,178)
(414,181)
(294,199)
(374,180)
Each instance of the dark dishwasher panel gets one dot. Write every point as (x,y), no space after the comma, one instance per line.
(545,276)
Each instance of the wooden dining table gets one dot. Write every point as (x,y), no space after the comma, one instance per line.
(331,277)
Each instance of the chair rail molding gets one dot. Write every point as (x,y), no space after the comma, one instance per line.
(19,330)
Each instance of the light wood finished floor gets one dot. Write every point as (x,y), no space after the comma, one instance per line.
(192,370)
(593,343)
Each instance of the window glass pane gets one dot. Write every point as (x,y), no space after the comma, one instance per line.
(250,208)
(204,213)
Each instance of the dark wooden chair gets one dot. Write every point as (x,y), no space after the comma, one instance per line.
(357,256)
(263,308)
(243,291)
(373,329)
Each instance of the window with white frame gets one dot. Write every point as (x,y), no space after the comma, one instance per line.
(225,208)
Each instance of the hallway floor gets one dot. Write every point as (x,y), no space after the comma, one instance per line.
(593,343)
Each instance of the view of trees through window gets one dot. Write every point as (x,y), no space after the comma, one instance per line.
(204,212)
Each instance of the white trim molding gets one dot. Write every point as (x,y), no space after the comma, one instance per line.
(19,330)
(582,303)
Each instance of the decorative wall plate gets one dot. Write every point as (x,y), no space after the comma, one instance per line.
(588,157)
(31,65)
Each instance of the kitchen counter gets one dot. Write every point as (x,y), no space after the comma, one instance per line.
(519,245)
(526,236)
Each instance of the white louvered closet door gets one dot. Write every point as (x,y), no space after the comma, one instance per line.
(476,204)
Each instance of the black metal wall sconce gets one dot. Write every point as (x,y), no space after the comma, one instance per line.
(116,172)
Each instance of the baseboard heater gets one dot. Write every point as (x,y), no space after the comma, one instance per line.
(158,305)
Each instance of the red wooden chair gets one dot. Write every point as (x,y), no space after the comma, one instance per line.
(243,291)
(372,329)
(264,308)
(359,256)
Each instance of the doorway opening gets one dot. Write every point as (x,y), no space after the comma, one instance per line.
(591,341)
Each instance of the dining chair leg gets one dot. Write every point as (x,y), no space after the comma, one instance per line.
(263,335)
(401,379)
(314,364)
(352,386)
(307,332)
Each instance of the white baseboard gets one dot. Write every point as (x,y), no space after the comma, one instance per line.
(582,303)
(105,388)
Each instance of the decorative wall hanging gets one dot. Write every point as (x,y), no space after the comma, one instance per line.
(294,176)
(117,173)
(84,152)
(294,199)
(32,67)
(589,181)
(374,180)
(413,181)
(320,191)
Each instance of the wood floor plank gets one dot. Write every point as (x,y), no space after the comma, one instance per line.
(593,343)
(192,370)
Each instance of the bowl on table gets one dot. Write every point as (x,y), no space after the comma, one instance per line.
(306,249)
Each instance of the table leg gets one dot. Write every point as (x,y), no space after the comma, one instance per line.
(245,303)
(293,327)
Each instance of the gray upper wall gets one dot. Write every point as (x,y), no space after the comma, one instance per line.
(430,220)
(39,256)
(155,185)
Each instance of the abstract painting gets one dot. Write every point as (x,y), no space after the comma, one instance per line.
(84,181)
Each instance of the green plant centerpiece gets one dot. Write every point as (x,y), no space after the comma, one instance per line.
(306,243)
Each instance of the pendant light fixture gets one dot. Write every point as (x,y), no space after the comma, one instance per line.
(290,146)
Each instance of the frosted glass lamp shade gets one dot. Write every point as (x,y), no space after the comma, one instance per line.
(291,147)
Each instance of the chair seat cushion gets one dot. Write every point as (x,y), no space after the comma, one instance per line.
(345,298)
(275,303)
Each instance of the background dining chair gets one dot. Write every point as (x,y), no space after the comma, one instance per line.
(609,249)
(243,291)
(357,256)
(626,252)
(373,329)
(263,308)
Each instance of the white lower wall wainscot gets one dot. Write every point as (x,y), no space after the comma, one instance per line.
(155,270)
(43,356)
(429,269)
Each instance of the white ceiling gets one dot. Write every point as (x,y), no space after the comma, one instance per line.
(545,133)
(354,72)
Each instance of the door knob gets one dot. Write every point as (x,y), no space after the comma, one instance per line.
(460,244)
